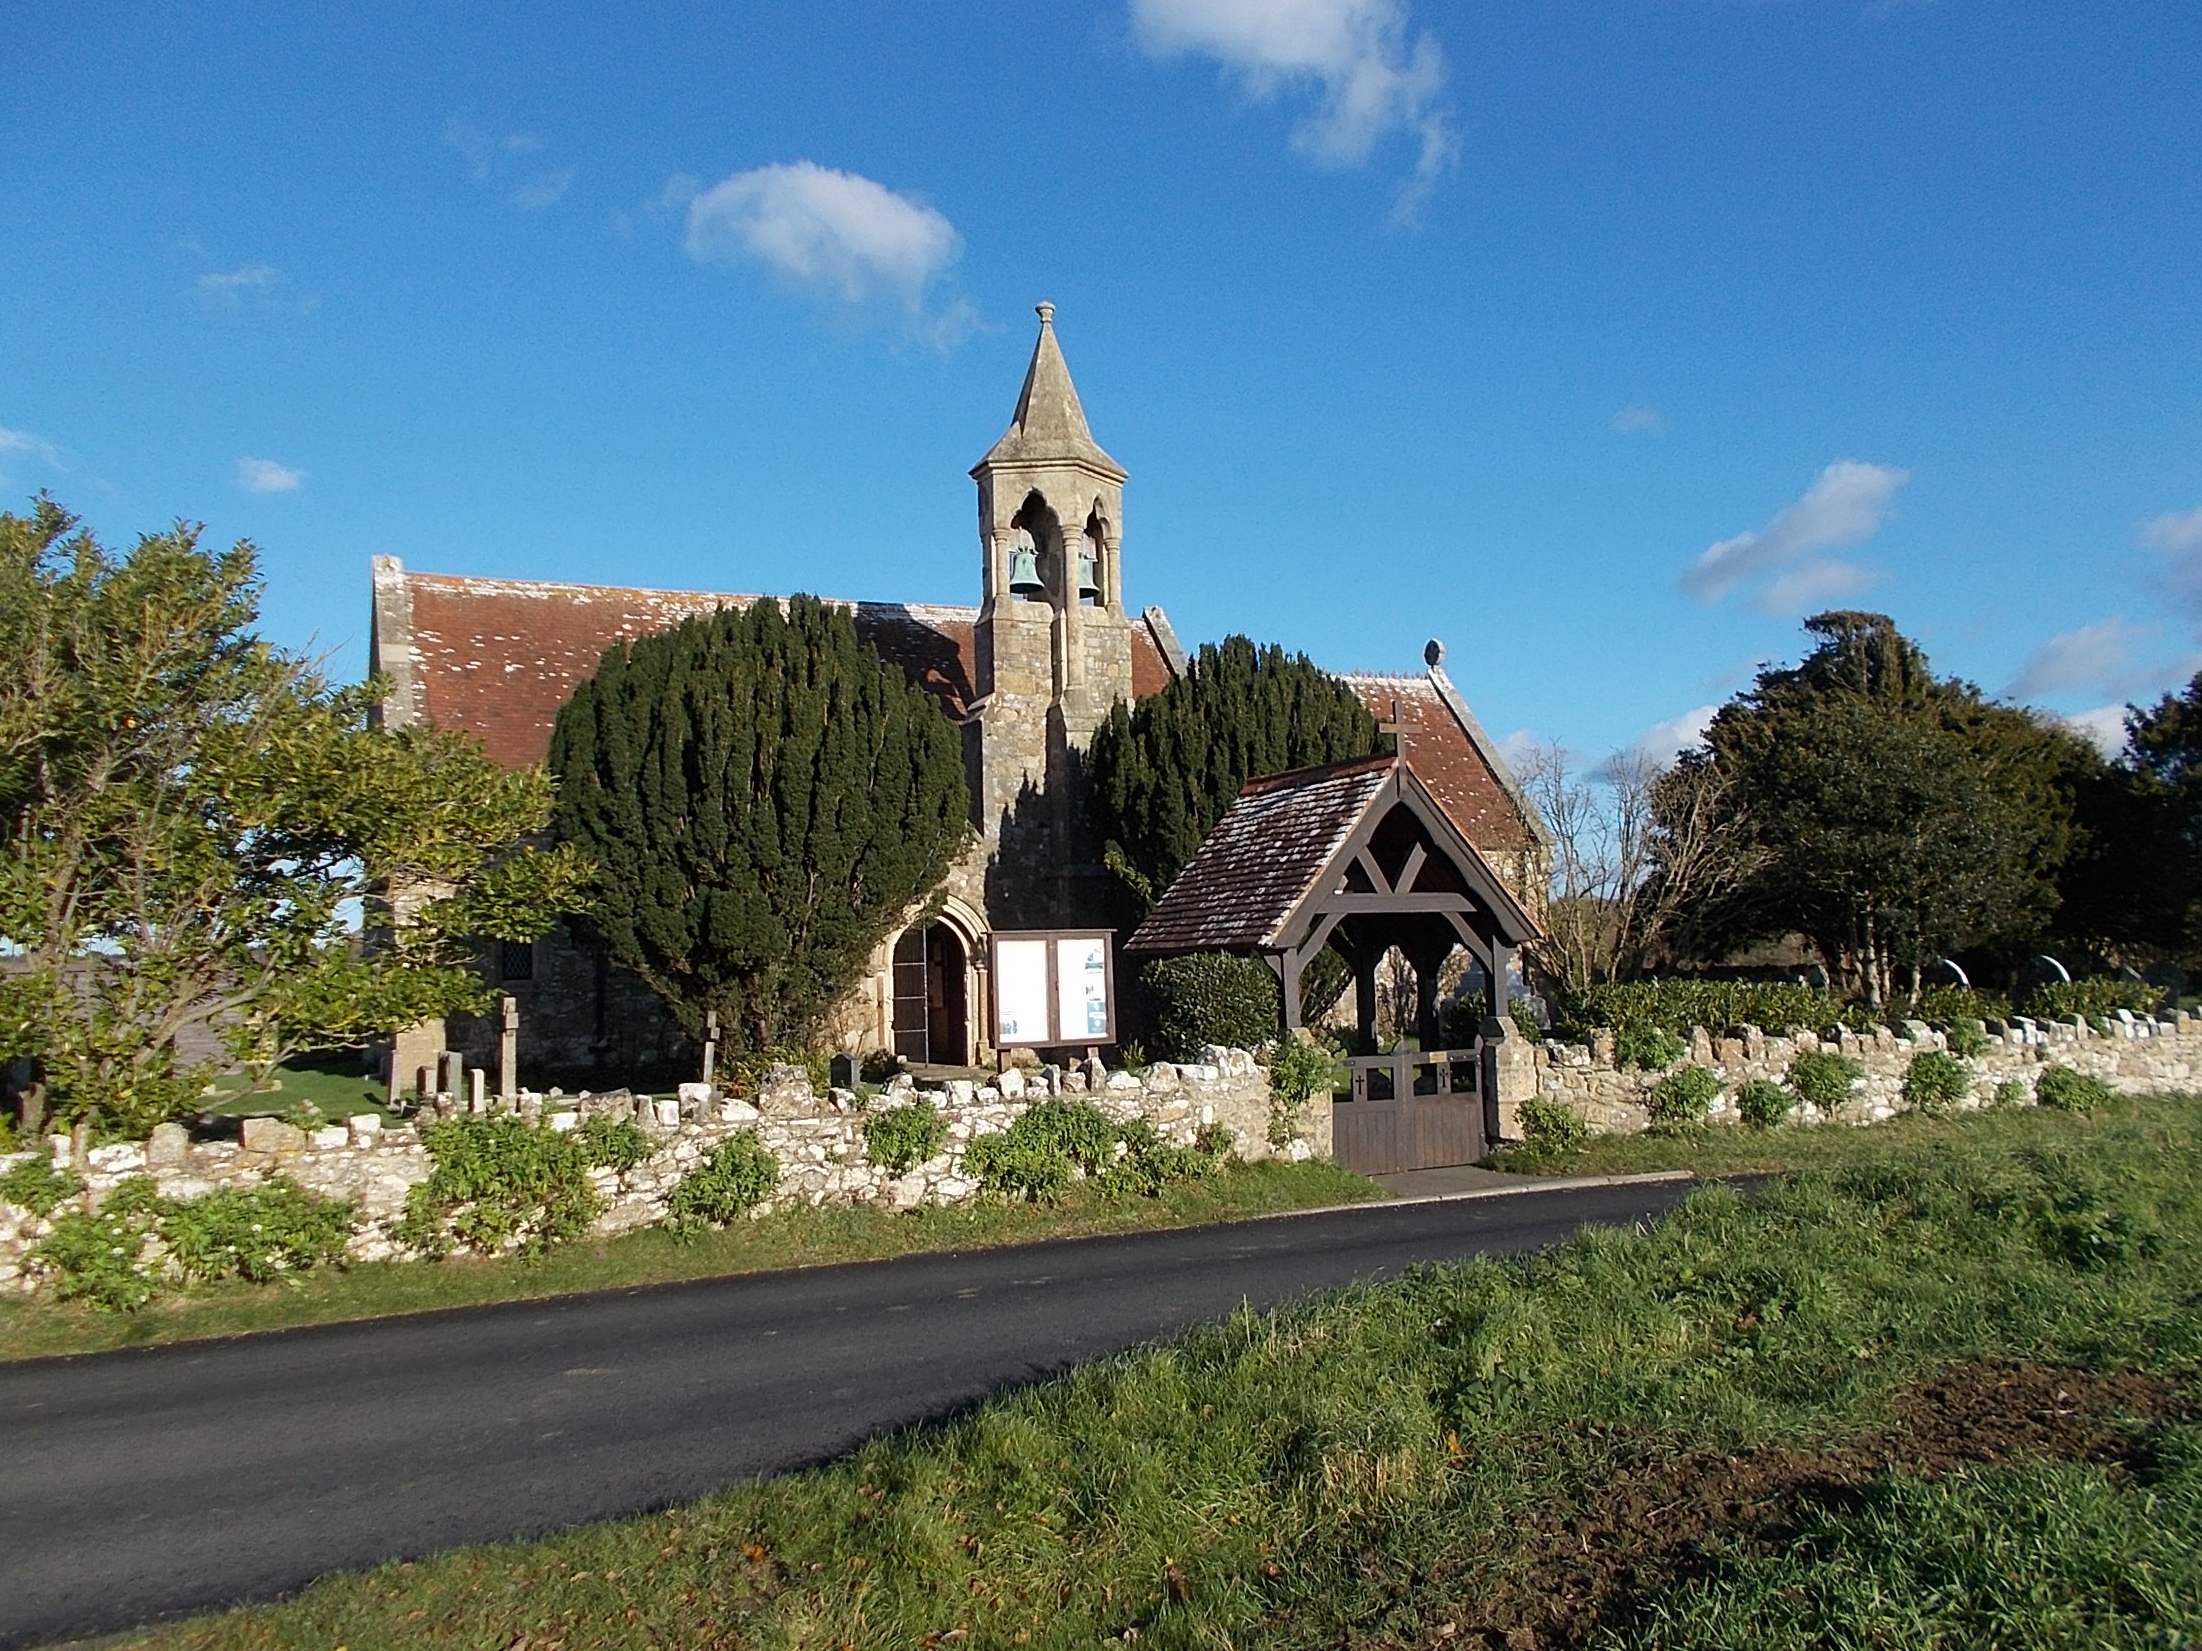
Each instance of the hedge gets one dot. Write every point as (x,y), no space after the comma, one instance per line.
(1210,997)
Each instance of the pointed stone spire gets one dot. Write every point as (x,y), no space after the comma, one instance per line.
(1049,426)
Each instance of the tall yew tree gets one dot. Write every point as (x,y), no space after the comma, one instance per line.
(764,798)
(1162,773)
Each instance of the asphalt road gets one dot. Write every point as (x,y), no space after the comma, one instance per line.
(156,1482)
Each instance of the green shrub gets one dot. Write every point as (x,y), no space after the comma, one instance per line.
(1210,997)
(2010,1092)
(256,1233)
(1684,1095)
(2069,1091)
(99,1255)
(899,1138)
(1945,1004)
(1553,1127)
(35,1185)
(1149,1165)
(1967,1038)
(1524,1019)
(1299,1070)
(1821,1078)
(738,1176)
(1934,1082)
(876,1067)
(1677,1005)
(1043,1152)
(2091,999)
(1763,1103)
(498,1183)
(612,1143)
(1649,1048)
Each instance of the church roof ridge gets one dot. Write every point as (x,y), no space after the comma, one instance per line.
(1049,424)
(569,589)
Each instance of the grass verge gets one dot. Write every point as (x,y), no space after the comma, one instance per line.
(1737,1149)
(792,1238)
(1934,1393)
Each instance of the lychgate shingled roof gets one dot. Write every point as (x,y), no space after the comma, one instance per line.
(1297,845)
(1262,859)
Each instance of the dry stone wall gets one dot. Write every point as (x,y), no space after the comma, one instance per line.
(2135,1055)
(818,1139)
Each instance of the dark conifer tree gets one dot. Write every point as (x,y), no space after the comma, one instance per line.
(764,797)
(1162,773)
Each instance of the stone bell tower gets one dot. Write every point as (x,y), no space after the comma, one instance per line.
(1054,651)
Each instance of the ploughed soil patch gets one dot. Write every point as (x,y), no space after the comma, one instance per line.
(1656,1517)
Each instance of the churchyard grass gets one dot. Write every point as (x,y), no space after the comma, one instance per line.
(31,1328)
(1938,1390)
(336,1090)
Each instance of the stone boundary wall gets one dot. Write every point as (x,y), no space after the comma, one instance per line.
(2136,1056)
(819,1140)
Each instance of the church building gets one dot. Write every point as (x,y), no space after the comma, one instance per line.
(1029,674)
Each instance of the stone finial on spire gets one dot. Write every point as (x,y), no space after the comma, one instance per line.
(1049,426)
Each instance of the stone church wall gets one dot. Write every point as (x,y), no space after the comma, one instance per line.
(819,1141)
(2137,1057)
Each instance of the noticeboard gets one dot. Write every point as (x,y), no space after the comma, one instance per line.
(1053,989)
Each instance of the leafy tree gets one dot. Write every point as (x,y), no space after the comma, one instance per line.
(1887,814)
(193,817)
(765,798)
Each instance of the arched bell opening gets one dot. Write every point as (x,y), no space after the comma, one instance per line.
(1093,569)
(932,1009)
(1035,551)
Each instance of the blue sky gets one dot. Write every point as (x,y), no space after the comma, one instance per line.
(1600,339)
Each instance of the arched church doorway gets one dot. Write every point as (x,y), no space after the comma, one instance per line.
(932,1006)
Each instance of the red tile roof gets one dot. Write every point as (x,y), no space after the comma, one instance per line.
(498,657)
(1447,760)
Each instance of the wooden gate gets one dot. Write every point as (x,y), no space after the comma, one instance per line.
(1410,1111)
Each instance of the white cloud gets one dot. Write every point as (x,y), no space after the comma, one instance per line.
(2105,725)
(30,446)
(2100,654)
(231,286)
(1370,79)
(1845,502)
(1519,746)
(2177,531)
(1640,421)
(832,235)
(545,192)
(1814,583)
(1662,742)
(2177,536)
(267,476)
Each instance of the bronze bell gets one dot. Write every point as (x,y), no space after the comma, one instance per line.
(1087,587)
(1024,572)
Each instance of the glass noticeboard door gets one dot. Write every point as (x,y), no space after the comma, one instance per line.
(1053,989)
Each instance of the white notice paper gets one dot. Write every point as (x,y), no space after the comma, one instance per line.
(1020,986)
(1082,989)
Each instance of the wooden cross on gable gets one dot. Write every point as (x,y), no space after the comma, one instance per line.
(1397,728)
